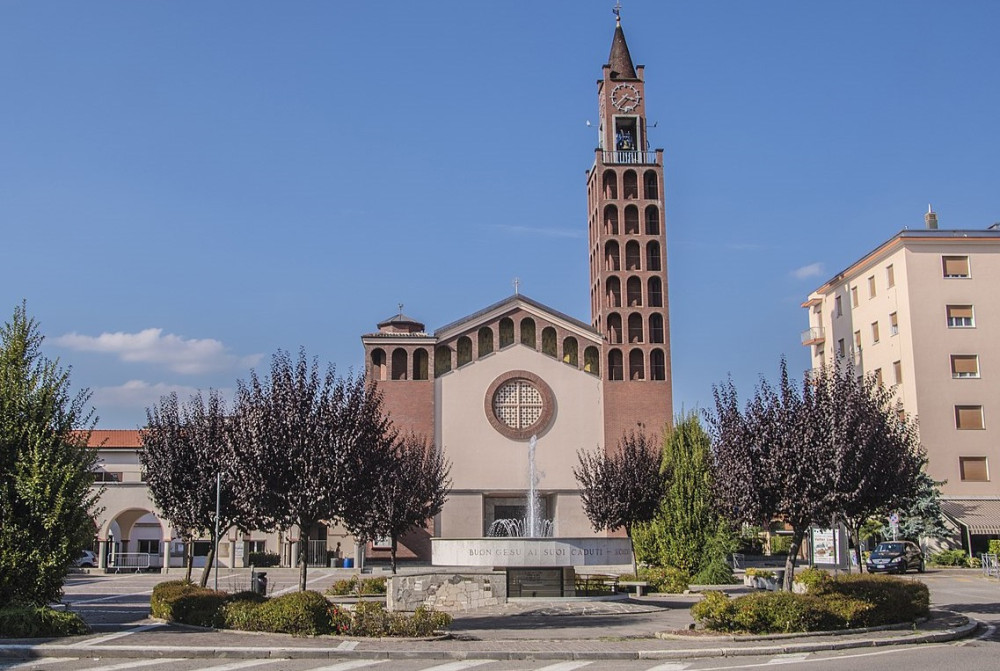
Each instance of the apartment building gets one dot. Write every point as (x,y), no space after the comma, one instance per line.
(922,313)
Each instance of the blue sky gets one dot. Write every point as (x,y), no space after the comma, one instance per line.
(186,187)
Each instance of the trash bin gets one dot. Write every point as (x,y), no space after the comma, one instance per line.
(259,583)
(348,562)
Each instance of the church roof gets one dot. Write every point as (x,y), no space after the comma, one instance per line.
(511,301)
(620,60)
(401,320)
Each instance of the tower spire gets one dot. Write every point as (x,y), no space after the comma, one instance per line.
(620,59)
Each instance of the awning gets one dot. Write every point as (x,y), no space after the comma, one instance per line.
(979,516)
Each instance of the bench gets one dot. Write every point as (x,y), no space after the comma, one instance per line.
(639,585)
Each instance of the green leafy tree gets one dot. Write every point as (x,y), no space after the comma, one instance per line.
(920,516)
(47,498)
(687,532)
(623,488)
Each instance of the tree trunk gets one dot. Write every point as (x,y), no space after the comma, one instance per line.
(798,533)
(392,554)
(303,555)
(188,558)
(209,561)
(631,543)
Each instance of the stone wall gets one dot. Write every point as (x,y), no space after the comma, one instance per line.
(450,592)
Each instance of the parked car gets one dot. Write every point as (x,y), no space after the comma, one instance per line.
(87,559)
(896,557)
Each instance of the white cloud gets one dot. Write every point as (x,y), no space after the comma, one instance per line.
(140,394)
(812,270)
(181,355)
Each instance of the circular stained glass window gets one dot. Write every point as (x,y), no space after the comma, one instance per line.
(518,404)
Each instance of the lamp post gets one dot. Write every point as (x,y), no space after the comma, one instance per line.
(218,501)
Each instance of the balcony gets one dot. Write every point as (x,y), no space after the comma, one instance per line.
(632,157)
(813,336)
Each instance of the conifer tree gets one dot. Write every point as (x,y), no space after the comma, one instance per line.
(47,499)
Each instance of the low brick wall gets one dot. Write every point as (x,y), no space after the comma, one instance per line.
(447,591)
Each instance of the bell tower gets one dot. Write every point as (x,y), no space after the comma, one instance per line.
(628,259)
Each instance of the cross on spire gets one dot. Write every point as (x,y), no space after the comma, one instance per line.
(517,285)
(400,309)
(618,11)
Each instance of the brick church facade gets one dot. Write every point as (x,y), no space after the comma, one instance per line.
(479,388)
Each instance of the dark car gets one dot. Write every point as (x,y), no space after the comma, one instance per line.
(896,557)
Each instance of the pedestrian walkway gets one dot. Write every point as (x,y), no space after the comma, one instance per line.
(654,628)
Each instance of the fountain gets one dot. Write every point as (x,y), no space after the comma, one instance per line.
(531,526)
(534,562)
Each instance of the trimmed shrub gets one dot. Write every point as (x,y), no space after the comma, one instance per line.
(263,559)
(851,601)
(994,547)
(187,603)
(369,618)
(950,558)
(299,613)
(665,579)
(39,622)
(357,586)
(813,578)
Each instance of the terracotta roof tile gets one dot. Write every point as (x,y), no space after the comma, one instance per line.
(115,438)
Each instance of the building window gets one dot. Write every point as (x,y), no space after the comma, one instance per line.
(464,349)
(592,361)
(890,276)
(657,365)
(656,328)
(528,332)
(964,365)
(878,376)
(653,256)
(518,404)
(960,316)
(636,365)
(614,332)
(874,332)
(857,341)
(854,297)
(893,324)
(650,185)
(871,287)
(378,364)
(485,337)
(897,371)
(633,292)
(635,328)
(652,220)
(399,361)
(442,360)
(840,348)
(149,546)
(201,548)
(655,292)
(969,417)
(974,469)
(107,476)
(955,266)
(506,332)
(838,308)
(420,364)
(570,351)
(256,546)
(616,365)
(630,185)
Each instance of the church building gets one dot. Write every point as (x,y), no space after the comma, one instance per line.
(481,387)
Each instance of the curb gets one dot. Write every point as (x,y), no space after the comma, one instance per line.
(29,651)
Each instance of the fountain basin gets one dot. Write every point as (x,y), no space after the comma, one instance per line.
(530,552)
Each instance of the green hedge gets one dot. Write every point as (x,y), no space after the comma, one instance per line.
(664,579)
(39,622)
(299,613)
(185,602)
(950,558)
(263,559)
(780,545)
(848,602)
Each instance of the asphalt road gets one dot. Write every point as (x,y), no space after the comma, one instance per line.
(114,602)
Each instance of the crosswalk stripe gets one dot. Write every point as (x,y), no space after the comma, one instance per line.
(458,666)
(788,658)
(34,662)
(353,664)
(133,665)
(121,634)
(348,645)
(669,666)
(245,664)
(564,666)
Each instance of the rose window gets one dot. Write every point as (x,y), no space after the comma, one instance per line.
(518,404)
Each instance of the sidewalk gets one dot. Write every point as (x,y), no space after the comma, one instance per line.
(653,627)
